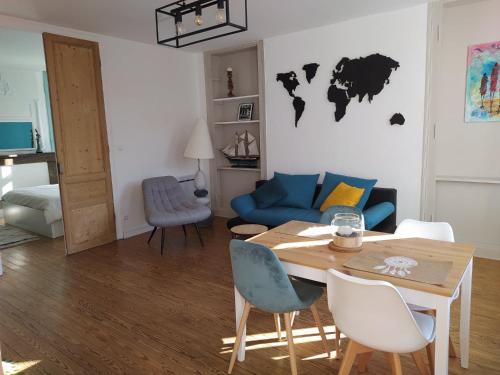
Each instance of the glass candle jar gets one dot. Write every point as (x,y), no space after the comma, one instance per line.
(347,230)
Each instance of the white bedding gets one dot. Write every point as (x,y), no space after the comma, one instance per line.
(44,198)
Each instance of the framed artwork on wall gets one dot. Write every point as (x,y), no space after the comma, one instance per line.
(245,112)
(482,97)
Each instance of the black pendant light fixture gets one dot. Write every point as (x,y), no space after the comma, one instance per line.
(183,22)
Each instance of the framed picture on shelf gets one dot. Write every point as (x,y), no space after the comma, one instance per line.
(245,111)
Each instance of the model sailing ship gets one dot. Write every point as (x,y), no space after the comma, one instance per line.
(243,151)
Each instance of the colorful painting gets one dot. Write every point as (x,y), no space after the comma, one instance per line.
(483,87)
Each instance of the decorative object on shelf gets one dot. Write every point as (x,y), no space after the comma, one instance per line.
(38,140)
(397,119)
(243,151)
(180,22)
(199,147)
(245,111)
(290,83)
(310,70)
(482,97)
(230,85)
(364,76)
(4,87)
(347,232)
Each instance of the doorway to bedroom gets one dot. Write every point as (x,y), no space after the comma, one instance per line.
(30,204)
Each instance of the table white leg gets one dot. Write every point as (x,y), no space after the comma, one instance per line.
(465,305)
(442,336)
(239,304)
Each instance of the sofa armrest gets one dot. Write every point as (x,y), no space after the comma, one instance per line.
(243,205)
(377,214)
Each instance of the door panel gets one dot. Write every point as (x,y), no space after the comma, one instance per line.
(74,72)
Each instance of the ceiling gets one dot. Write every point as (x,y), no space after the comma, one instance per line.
(21,50)
(134,19)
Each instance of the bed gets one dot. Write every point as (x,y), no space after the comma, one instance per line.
(36,209)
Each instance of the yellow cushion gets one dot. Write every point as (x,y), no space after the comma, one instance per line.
(343,195)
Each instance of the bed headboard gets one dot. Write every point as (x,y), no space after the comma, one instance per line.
(15,136)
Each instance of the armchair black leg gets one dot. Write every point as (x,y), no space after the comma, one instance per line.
(184,229)
(152,234)
(199,234)
(162,239)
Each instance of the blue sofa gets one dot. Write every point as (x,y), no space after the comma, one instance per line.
(379,211)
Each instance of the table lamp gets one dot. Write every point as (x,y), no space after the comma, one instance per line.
(199,147)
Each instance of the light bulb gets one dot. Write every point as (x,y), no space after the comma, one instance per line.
(220,15)
(197,19)
(180,28)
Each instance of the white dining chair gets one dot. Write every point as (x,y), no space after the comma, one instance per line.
(425,229)
(374,316)
(439,231)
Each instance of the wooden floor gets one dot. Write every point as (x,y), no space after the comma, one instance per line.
(124,309)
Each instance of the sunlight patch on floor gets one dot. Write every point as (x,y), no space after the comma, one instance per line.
(300,336)
(12,368)
(274,336)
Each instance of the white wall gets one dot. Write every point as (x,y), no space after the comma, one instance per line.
(22,175)
(466,151)
(152,102)
(25,101)
(363,143)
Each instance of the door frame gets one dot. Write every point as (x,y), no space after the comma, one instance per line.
(428,184)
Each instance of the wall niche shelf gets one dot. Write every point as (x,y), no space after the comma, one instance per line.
(227,182)
(235,98)
(229,168)
(256,122)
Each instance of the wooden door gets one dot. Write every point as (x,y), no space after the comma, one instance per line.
(74,73)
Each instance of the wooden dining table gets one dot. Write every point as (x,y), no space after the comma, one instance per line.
(302,248)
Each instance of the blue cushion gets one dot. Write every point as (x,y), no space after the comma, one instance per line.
(274,216)
(243,204)
(331,181)
(376,214)
(269,193)
(300,189)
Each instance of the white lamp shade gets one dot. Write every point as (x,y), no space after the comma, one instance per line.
(199,145)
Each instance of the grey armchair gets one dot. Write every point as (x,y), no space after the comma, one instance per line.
(167,205)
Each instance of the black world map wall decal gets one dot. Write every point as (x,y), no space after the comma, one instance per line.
(290,83)
(359,77)
(310,70)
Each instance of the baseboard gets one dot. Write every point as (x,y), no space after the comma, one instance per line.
(135,231)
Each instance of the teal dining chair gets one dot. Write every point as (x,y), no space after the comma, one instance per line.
(261,279)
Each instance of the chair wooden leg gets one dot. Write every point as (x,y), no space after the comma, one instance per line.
(293,314)
(418,358)
(317,320)
(337,341)
(395,361)
(453,352)
(363,360)
(349,357)
(152,234)
(353,349)
(291,348)
(184,230)
(199,234)
(237,342)
(430,356)
(277,323)
(162,240)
